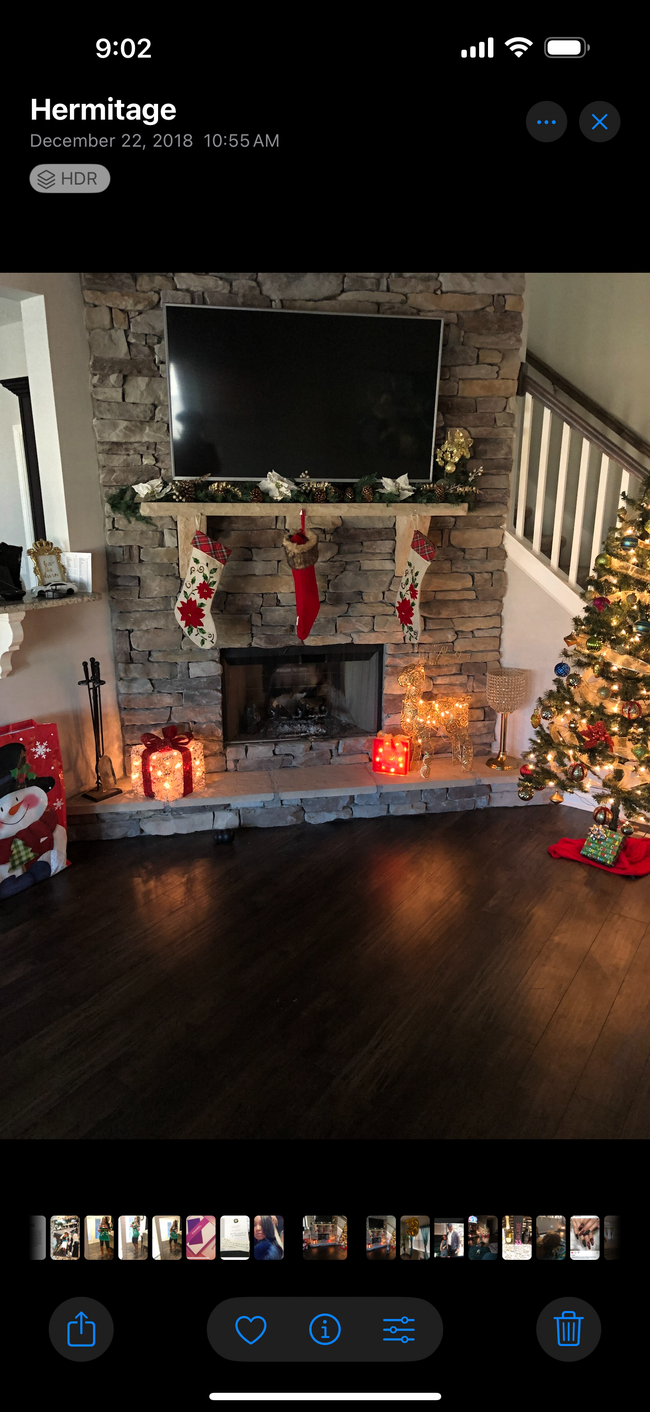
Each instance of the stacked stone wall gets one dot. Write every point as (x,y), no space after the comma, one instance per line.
(162,678)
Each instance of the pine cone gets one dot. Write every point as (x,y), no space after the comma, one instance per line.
(320,494)
(439,491)
(349,493)
(257,494)
(367,493)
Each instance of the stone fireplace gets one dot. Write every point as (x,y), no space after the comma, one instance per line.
(163,678)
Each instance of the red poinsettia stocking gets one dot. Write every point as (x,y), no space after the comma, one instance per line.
(407,606)
(194,602)
(302,552)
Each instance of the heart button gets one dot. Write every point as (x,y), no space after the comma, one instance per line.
(244,1319)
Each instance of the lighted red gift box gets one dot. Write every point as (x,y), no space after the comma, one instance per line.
(391,755)
(168,766)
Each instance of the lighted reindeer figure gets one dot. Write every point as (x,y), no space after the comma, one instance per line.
(422,720)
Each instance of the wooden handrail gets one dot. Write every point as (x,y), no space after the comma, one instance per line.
(607,418)
(560,409)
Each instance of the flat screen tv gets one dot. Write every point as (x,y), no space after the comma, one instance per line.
(337,395)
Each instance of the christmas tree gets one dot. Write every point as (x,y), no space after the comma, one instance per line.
(593,726)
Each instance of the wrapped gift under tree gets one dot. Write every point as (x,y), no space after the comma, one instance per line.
(168,766)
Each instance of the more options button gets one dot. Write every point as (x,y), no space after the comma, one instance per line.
(63,177)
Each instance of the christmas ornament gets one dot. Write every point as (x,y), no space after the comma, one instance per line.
(391,755)
(571,640)
(602,815)
(167,767)
(602,844)
(399,487)
(547,713)
(647,526)
(631,599)
(631,710)
(277,487)
(594,644)
(449,454)
(536,718)
(643,626)
(302,553)
(557,798)
(629,541)
(596,734)
(574,679)
(193,605)
(561,669)
(627,830)
(576,771)
(407,605)
(525,791)
(603,692)
(602,561)
(600,603)
(639,750)
(526,770)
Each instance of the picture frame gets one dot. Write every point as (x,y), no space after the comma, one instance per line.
(48,566)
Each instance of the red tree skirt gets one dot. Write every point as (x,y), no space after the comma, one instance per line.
(633,859)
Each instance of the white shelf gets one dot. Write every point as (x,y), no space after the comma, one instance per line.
(11,621)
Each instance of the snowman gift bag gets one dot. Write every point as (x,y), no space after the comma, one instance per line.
(32,806)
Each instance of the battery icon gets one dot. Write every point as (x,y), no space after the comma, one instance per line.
(563,48)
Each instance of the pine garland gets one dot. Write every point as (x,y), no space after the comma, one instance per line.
(593,726)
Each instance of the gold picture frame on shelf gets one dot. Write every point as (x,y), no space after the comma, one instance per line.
(46,558)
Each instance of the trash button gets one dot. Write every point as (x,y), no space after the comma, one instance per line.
(62,177)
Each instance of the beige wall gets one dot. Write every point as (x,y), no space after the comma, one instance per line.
(47,667)
(595,330)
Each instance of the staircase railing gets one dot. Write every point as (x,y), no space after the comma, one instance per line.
(570,476)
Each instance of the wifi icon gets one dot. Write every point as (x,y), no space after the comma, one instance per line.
(518,45)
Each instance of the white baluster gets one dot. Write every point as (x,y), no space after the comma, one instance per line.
(523,466)
(597,541)
(560,495)
(541,480)
(580,511)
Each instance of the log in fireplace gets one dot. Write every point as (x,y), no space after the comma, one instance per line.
(311,693)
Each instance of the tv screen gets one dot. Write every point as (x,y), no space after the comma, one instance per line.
(337,395)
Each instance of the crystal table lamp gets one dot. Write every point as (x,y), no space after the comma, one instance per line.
(506,692)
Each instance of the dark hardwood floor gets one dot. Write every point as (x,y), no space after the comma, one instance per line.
(386,978)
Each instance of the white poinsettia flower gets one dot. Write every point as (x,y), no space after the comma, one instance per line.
(399,487)
(277,486)
(149,489)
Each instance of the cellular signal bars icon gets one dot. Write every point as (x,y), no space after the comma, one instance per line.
(471,52)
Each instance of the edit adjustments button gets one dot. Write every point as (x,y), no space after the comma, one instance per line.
(61,177)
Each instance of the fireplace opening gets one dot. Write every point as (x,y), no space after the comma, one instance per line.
(296,693)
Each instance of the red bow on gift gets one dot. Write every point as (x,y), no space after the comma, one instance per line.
(170,740)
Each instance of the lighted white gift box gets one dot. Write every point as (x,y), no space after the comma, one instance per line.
(167,767)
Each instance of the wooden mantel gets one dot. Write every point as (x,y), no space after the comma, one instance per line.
(192,516)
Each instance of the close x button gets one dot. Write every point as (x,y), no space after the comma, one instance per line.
(324,1330)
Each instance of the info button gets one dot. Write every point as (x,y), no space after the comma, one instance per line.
(61,177)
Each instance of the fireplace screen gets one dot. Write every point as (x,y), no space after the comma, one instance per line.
(308,692)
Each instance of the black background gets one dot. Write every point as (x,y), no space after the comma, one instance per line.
(160,1356)
(393,152)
